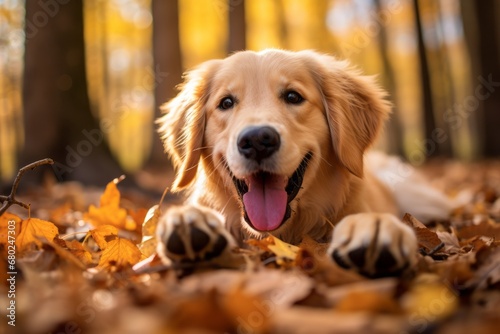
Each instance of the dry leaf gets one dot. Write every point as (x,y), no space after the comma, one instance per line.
(119,253)
(430,299)
(368,301)
(76,248)
(426,238)
(32,230)
(244,308)
(100,233)
(9,230)
(283,251)
(312,260)
(109,211)
(485,228)
(148,242)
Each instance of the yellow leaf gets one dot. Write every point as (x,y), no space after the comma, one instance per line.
(106,216)
(283,251)
(77,249)
(109,212)
(111,195)
(148,242)
(32,230)
(430,299)
(9,230)
(100,233)
(151,221)
(118,254)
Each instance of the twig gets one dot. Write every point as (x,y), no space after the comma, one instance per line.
(11,198)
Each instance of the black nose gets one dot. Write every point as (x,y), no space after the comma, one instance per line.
(258,142)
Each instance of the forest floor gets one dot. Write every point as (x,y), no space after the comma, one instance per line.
(82,262)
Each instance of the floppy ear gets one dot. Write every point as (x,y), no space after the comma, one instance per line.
(183,125)
(355,109)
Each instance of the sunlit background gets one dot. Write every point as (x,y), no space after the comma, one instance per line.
(379,36)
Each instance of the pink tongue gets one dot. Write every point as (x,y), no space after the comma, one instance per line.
(266,201)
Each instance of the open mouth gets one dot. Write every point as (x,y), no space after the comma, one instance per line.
(266,197)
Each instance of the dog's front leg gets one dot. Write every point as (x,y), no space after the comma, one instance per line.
(192,233)
(374,244)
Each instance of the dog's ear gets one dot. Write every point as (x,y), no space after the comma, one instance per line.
(355,109)
(183,125)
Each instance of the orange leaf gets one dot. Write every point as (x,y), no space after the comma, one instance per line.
(119,253)
(77,249)
(32,230)
(111,196)
(9,230)
(109,212)
(100,233)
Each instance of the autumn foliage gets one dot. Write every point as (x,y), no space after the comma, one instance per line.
(95,271)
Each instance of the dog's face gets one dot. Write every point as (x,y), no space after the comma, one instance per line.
(264,123)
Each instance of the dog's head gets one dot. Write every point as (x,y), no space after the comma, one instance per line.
(263,124)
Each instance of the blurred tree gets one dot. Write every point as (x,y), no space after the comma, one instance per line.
(425,81)
(482,32)
(57,117)
(167,58)
(394,134)
(237,26)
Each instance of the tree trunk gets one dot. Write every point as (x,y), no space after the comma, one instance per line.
(57,117)
(429,121)
(487,73)
(168,65)
(237,26)
(395,137)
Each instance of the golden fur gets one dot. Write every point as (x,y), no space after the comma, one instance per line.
(340,118)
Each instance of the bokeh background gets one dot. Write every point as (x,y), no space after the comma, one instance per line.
(81,81)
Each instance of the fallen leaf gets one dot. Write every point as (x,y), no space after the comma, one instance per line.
(109,212)
(450,241)
(148,242)
(312,260)
(202,313)
(8,231)
(32,230)
(77,249)
(119,253)
(486,228)
(283,251)
(430,300)
(368,301)
(245,309)
(100,233)
(426,238)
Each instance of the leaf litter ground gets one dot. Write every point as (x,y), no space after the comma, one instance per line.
(85,263)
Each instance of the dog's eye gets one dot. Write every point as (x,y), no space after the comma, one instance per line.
(293,97)
(226,103)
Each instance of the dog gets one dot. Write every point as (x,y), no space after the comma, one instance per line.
(274,142)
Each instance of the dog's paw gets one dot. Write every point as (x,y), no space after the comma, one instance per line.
(192,234)
(374,244)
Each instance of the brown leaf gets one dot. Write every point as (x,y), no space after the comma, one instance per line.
(485,228)
(426,238)
(244,308)
(312,260)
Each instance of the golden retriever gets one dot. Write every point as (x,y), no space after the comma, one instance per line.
(272,142)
